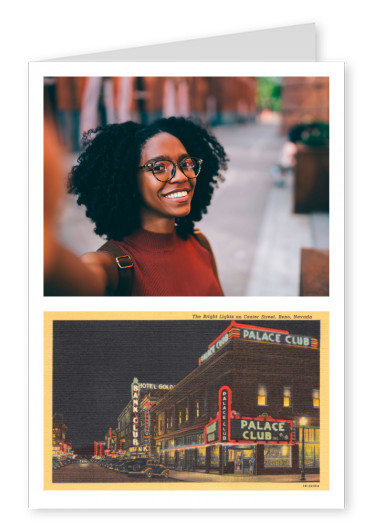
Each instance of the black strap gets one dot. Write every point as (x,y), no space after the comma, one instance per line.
(125,268)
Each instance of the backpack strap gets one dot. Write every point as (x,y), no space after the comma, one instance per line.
(125,267)
(204,242)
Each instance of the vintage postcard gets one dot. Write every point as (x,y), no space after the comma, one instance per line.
(179,401)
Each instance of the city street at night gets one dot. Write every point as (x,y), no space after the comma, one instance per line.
(88,472)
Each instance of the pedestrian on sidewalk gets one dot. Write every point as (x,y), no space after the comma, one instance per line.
(252,462)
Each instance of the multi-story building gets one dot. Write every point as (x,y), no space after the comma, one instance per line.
(304,100)
(59,428)
(135,423)
(251,396)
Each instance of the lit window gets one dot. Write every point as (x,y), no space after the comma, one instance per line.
(186,413)
(179,417)
(261,397)
(316,398)
(287,396)
(197,408)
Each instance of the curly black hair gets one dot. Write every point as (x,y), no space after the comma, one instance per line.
(105,177)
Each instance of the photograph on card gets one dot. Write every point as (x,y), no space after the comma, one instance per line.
(183,401)
(186,186)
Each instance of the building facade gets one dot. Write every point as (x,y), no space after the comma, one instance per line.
(135,423)
(245,406)
(60,444)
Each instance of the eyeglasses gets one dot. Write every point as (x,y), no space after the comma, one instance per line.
(165,170)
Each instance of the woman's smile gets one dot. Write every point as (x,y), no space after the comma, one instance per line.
(179,195)
(163,201)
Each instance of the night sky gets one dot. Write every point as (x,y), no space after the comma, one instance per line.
(94,363)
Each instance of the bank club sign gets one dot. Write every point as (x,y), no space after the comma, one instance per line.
(135,390)
(231,427)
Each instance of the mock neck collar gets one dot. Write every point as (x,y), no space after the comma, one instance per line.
(152,241)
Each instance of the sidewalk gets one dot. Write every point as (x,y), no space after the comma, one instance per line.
(276,265)
(202,477)
(256,236)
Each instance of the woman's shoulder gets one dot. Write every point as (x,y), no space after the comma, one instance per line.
(202,239)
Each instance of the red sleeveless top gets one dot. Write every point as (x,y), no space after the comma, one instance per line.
(166,265)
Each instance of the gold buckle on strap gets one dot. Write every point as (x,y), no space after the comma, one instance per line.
(125,266)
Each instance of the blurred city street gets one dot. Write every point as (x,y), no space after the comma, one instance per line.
(255,235)
(250,224)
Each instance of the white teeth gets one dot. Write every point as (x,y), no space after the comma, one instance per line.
(177,194)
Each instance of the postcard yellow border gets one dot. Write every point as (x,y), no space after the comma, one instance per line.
(323,317)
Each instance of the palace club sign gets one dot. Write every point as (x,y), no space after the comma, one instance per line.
(260,335)
(231,427)
(257,429)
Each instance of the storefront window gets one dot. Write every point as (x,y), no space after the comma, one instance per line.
(169,458)
(180,461)
(311,447)
(214,457)
(201,457)
(311,455)
(200,438)
(277,456)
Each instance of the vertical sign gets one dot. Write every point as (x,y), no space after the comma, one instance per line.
(135,389)
(147,418)
(224,402)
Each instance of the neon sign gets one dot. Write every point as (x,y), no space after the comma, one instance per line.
(135,390)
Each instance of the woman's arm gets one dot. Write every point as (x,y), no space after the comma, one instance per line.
(67,274)
(64,272)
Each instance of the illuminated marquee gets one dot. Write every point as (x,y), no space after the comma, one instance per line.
(135,391)
(147,418)
(154,386)
(270,336)
(259,334)
(259,429)
(224,412)
(213,348)
(229,426)
(211,432)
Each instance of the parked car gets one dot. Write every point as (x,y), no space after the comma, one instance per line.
(147,467)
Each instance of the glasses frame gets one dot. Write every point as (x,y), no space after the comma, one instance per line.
(150,166)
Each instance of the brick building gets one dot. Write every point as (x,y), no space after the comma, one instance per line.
(247,399)
(304,100)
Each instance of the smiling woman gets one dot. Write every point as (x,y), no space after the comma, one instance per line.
(144,187)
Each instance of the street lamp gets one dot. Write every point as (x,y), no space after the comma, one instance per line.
(303,423)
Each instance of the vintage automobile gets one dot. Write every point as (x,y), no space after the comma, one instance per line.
(146,467)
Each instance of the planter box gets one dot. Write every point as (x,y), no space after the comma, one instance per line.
(311,187)
(314,273)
